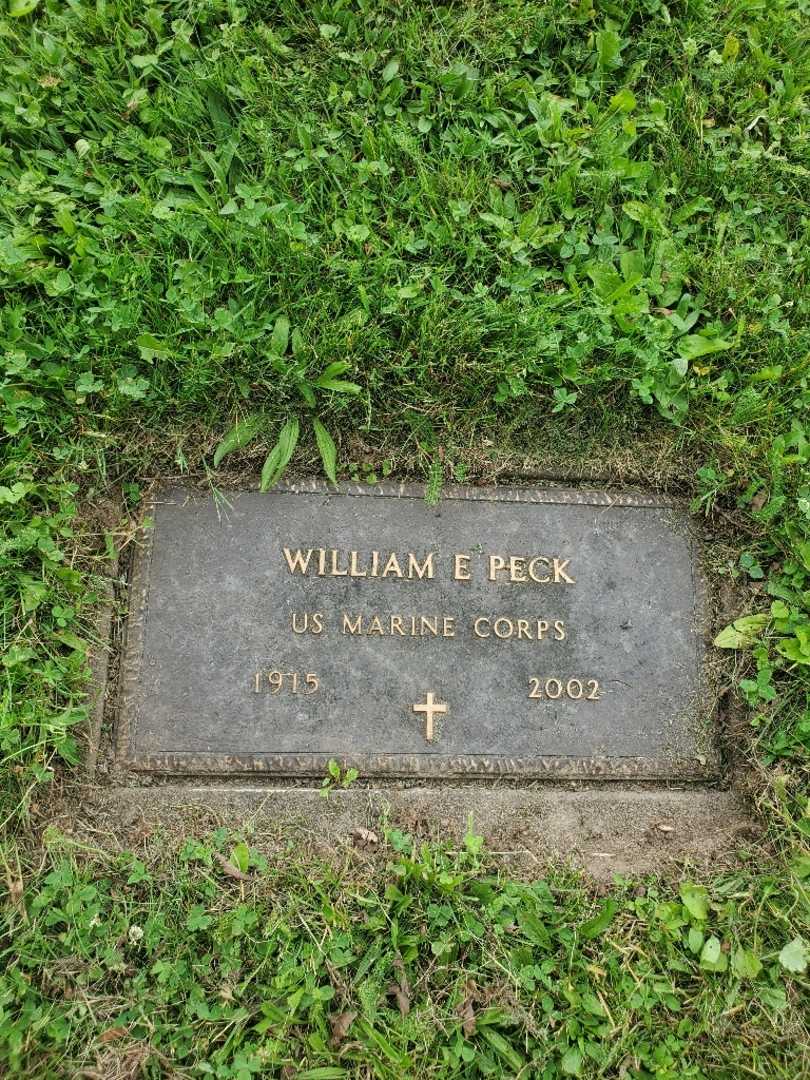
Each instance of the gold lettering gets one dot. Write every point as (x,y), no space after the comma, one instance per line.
(523,629)
(353,568)
(517,569)
(420,571)
(321,562)
(559,630)
(533,576)
(392,566)
(461,567)
(335,571)
(509,628)
(375,563)
(477,624)
(542,629)
(496,563)
(296,560)
(559,571)
(295,629)
(382,625)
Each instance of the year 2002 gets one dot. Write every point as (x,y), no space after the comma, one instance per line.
(290,682)
(575,689)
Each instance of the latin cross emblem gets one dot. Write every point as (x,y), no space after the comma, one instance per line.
(430,708)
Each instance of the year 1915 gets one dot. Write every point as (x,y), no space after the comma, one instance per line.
(290,682)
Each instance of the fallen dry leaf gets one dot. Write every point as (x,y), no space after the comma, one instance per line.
(401,988)
(759,500)
(229,869)
(466,1011)
(340,1027)
(111,1034)
(403,998)
(364,836)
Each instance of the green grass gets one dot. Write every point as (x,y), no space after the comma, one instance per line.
(452,235)
(422,962)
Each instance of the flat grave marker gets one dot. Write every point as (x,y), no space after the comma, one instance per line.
(505,632)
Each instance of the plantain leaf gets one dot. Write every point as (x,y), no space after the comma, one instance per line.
(794,956)
(328,378)
(746,963)
(390,70)
(220,114)
(694,345)
(279,456)
(18,8)
(600,922)
(240,856)
(792,649)
(608,49)
(280,336)
(328,450)
(337,367)
(340,386)
(742,632)
(712,957)
(624,101)
(323,1072)
(504,1049)
(696,900)
(243,432)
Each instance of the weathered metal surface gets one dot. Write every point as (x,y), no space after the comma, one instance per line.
(610,644)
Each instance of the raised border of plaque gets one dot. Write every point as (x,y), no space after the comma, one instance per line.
(700,766)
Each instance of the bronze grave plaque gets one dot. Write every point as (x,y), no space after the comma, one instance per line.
(504,632)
